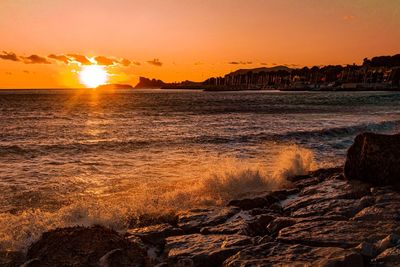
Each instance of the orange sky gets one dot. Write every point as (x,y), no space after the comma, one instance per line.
(192,39)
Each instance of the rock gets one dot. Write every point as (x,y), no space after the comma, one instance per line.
(11,258)
(193,220)
(388,258)
(344,234)
(279,223)
(252,203)
(242,223)
(155,233)
(326,192)
(343,207)
(374,158)
(379,212)
(203,250)
(278,254)
(80,246)
(367,250)
(388,242)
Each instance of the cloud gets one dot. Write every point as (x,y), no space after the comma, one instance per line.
(349,18)
(73,58)
(126,62)
(240,63)
(102,60)
(35,59)
(155,62)
(80,59)
(61,58)
(26,71)
(9,56)
(198,63)
(8,73)
(264,64)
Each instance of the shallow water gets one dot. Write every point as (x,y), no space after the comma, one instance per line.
(85,156)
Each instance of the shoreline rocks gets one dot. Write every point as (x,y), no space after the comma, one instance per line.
(331,222)
(323,219)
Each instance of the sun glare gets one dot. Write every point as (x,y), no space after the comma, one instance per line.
(93,76)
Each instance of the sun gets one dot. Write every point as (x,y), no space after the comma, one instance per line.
(93,75)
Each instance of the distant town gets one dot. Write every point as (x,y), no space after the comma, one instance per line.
(377,73)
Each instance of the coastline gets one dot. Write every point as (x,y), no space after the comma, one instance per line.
(320,218)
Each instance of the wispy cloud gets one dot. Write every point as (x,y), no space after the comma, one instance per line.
(35,59)
(80,59)
(9,56)
(240,62)
(102,60)
(155,62)
(61,58)
(32,59)
(72,59)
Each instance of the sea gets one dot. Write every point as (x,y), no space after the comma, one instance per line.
(84,156)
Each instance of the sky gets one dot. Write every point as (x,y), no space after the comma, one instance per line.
(46,43)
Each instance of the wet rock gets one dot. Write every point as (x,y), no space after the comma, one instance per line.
(11,258)
(343,207)
(388,258)
(327,191)
(379,212)
(155,233)
(388,242)
(193,220)
(242,223)
(252,203)
(203,250)
(80,246)
(279,223)
(278,254)
(374,158)
(343,234)
(366,249)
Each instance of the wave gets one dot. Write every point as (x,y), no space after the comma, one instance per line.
(130,145)
(347,130)
(226,180)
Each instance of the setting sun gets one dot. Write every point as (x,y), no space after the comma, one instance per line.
(93,76)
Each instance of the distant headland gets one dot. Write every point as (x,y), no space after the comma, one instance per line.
(377,73)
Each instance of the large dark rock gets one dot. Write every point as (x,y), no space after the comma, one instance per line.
(80,246)
(374,158)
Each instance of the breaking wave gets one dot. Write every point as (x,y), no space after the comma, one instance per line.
(228,179)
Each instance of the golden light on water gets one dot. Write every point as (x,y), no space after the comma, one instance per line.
(93,75)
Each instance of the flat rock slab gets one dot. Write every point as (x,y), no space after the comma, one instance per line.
(154,233)
(203,250)
(193,220)
(242,223)
(343,234)
(278,254)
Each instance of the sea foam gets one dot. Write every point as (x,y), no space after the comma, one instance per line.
(228,179)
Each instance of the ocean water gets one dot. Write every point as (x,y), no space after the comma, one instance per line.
(71,157)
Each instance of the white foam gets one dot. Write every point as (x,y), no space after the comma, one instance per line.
(226,180)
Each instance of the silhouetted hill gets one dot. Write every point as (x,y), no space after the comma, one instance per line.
(146,83)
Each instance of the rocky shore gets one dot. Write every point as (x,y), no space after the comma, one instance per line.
(329,217)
